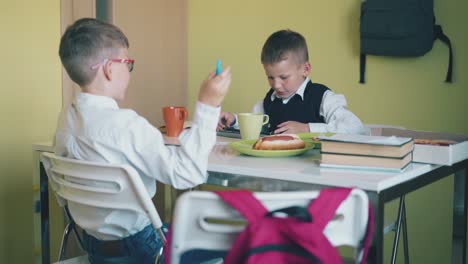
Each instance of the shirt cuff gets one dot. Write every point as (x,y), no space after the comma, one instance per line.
(236,124)
(206,116)
(318,127)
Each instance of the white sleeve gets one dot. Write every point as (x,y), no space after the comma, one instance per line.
(258,108)
(338,119)
(182,166)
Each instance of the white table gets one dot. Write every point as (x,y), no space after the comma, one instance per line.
(229,168)
(306,169)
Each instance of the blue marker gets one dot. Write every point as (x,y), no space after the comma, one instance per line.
(219,67)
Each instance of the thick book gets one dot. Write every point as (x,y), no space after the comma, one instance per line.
(379,146)
(365,162)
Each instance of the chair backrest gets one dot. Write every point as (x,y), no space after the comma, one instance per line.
(203,221)
(91,185)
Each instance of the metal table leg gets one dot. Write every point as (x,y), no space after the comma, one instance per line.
(401,224)
(376,250)
(405,234)
(44,198)
(459,217)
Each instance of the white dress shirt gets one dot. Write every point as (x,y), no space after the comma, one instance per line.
(334,109)
(94,128)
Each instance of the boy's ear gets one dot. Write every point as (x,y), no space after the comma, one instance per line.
(306,69)
(107,69)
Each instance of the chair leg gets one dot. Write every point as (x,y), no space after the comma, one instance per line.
(63,246)
(401,224)
(405,235)
(78,237)
(161,235)
(70,226)
(158,259)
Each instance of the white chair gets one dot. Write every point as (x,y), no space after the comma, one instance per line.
(97,185)
(203,221)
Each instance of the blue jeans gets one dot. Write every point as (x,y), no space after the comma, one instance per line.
(141,247)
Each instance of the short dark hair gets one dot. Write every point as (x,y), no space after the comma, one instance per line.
(281,43)
(87,42)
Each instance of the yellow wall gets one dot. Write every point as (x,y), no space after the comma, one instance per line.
(408,92)
(29,102)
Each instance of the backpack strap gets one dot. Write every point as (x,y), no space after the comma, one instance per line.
(244,202)
(323,208)
(362,68)
(439,34)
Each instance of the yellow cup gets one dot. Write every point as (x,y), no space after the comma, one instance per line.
(250,124)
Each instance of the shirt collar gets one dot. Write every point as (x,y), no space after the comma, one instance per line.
(299,91)
(96,101)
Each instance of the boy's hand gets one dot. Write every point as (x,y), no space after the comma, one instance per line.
(225,120)
(292,127)
(214,88)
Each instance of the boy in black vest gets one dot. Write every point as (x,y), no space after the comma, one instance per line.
(294,103)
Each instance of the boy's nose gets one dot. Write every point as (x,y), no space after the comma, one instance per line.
(276,84)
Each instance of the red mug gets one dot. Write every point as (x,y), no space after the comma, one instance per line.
(174,117)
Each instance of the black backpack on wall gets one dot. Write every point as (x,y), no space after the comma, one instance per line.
(404,28)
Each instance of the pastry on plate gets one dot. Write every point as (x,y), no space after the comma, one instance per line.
(436,142)
(279,142)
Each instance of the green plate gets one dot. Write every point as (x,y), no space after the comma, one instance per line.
(245,147)
(310,137)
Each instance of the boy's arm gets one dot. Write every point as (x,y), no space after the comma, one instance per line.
(258,108)
(182,166)
(185,166)
(226,120)
(338,119)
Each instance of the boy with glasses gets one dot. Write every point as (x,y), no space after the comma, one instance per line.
(94,128)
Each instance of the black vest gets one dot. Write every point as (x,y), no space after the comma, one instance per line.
(304,111)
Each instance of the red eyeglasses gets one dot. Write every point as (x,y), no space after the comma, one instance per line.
(129,63)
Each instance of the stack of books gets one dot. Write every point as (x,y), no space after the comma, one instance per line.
(366,152)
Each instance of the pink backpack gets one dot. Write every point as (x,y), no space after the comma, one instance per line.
(299,239)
